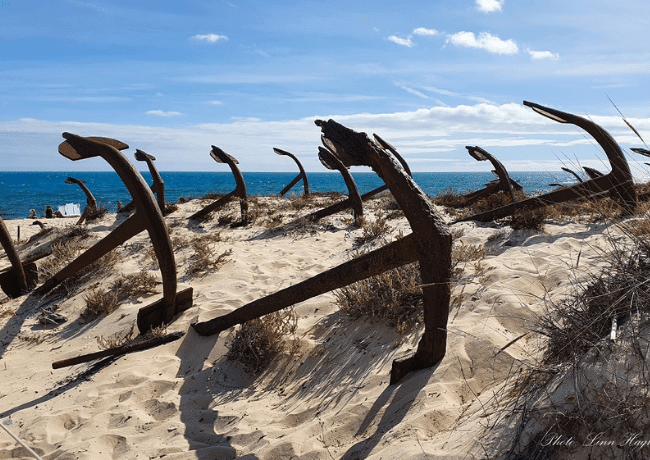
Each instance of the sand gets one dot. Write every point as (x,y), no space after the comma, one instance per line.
(328,399)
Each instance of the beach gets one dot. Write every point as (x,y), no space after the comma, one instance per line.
(327,395)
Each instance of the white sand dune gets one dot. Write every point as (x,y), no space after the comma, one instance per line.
(330,399)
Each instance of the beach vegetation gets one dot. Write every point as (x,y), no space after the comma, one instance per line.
(258,341)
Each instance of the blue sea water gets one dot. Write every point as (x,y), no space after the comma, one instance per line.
(22,191)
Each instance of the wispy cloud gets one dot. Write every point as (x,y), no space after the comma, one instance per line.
(408,89)
(489,6)
(542,54)
(401,41)
(485,41)
(215,103)
(425,31)
(161,113)
(210,38)
(445,92)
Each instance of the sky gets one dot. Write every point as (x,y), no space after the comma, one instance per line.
(173,78)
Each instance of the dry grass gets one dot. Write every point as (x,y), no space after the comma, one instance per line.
(372,229)
(116,340)
(134,284)
(93,213)
(393,296)
(205,258)
(585,383)
(449,198)
(99,302)
(258,341)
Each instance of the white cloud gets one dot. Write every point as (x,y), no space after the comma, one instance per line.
(401,41)
(210,38)
(485,41)
(216,103)
(488,6)
(425,31)
(423,136)
(160,113)
(542,54)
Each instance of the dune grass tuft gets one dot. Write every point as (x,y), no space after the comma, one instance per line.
(260,340)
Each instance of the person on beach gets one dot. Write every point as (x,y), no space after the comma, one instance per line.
(49,212)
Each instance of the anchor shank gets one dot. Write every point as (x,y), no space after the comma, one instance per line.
(393,255)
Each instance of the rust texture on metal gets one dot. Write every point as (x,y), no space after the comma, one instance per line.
(147,217)
(121,350)
(330,161)
(430,244)
(220,156)
(21,277)
(504,183)
(618,182)
(157,187)
(301,175)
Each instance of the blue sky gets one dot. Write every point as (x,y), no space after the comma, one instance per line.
(173,78)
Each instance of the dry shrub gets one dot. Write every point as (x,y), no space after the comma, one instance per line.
(93,213)
(528,219)
(297,203)
(587,387)
(465,253)
(134,284)
(225,219)
(116,340)
(494,201)
(393,296)
(63,252)
(205,257)
(274,222)
(99,302)
(372,230)
(449,198)
(260,340)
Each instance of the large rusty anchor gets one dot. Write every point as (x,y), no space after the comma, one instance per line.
(301,175)
(220,156)
(348,202)
(22,276)
(330,161)
(430,243)
(618,183)
(157,187)
(147,217)
(504,183)
(91,202)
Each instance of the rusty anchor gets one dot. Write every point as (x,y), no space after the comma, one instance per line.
(330,161)
(23,275)
(618,182)
(147,217)
(430,243)
(91,202)
(503,184)
(301,175)
(220,156)
(157,187)
(347,203)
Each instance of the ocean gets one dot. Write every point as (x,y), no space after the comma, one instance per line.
(22,191)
